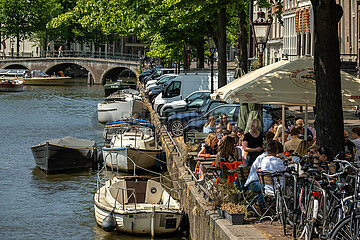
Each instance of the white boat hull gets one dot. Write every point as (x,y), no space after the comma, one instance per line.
(153,215)
(123,159)
(115,110)
(139,222)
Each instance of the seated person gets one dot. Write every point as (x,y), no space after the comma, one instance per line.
(356,135)
(210,125)
(227,151)
(293,143)
(228,155)
(349,146)
(312,150)
(300,124)
(224,124)
(210,147)
(324,154)
(252,181)
(272,163)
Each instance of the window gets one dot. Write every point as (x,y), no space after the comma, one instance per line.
(174,89)
(228,110)
(197,95)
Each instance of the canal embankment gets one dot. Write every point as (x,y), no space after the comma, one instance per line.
(202,220)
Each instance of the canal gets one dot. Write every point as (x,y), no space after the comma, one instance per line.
(34,205)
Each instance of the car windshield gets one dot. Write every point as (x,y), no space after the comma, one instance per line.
(164,80)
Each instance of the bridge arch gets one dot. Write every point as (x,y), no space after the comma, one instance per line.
(115,73)
(79,71)
(15,66)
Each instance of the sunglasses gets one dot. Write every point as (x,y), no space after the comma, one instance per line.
(224,118)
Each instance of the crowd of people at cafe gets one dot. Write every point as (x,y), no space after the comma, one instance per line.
(232,146)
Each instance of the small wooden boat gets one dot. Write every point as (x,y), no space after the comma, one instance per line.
(113,128)
(11,85)
(120,106)
(127,80)
(65,153)
(134,146)
(136,205)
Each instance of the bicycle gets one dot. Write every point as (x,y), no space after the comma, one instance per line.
(349,227)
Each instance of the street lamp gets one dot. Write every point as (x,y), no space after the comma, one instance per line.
(261,29)
(212,52)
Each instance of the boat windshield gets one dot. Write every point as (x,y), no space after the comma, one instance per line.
(38,73)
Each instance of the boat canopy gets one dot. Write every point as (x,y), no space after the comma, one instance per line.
(69,141)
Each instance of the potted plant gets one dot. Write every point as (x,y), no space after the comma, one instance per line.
(234,213)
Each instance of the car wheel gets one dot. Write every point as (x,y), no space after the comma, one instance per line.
(177,128)
(190,132)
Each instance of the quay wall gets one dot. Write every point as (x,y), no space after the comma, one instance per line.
(202,220)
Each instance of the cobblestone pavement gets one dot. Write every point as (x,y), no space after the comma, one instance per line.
(273,231)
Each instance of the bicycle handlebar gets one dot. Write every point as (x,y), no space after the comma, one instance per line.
(348,164)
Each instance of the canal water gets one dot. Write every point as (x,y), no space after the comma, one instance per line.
(34,205)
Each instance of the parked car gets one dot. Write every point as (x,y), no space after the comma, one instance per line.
(160,80)
(176,122)
(270,114)
(153,91)
(148,73)
(182,86)
(158,73)
(196,99)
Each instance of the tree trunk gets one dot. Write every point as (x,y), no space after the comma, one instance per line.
(200,56)
(329,122)
(185,58)
(222,80)
(17,45)
(243,41)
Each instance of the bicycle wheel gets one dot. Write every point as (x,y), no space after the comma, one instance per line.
(309,219)
(347,229)
(281,210)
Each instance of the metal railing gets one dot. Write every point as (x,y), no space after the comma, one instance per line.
(71,54)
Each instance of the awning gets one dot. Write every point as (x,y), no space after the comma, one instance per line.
(285,82)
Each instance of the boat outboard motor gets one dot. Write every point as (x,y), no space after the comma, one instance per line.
(109,223)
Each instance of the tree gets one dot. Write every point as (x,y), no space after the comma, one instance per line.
(329,121)
(15,20)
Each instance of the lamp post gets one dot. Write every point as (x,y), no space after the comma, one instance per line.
(261,29)
(212,52)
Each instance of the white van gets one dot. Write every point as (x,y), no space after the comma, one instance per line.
(183,85)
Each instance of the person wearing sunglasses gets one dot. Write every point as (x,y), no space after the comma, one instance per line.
(349,146)
(224,124)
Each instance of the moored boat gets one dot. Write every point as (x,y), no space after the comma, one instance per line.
(113,128)
(136,205)
(65,153)
(11,85)
(120,106)
(35,77)
(127,80)
(133,146)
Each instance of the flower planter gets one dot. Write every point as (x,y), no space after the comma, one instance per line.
(235,218)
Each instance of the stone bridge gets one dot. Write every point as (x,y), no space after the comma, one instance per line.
(98,69)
